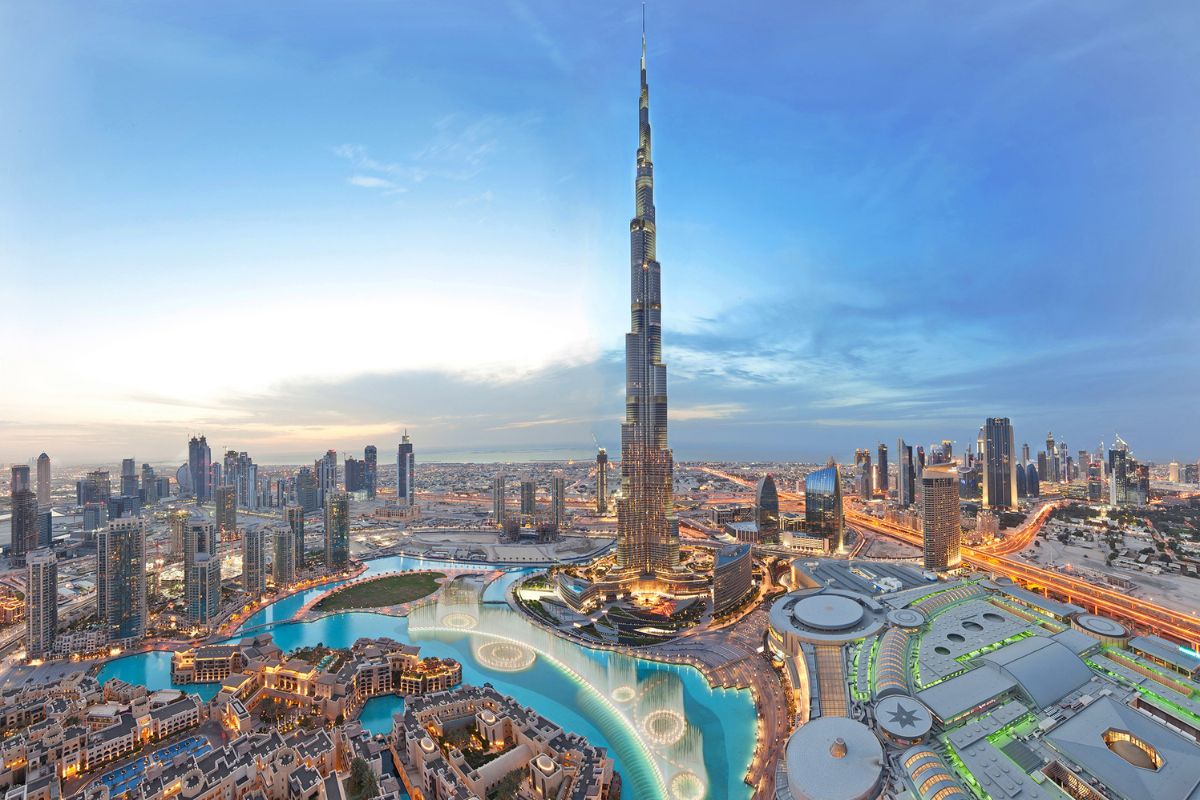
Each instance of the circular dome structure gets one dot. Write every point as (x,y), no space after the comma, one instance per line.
(1106,630)
(828,612)
(907,618)
(903,720)
(833,757)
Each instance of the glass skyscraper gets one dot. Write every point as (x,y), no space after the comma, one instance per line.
(647,530)
(405,466)
(337,530)
(121,578)
(999,464)
(823,506)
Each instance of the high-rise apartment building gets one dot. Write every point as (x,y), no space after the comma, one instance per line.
(823,515)
(306,490)
(528,497)
(43,480)
(558,501)
(24,521)
(371,457)
(355,474)
(906,474)
(283,557)
(199,468)
(405,471)
(499,489)
(326,470)
(149,485)
(941,523)
(41,602)
(254,561)
(19,482)
(129,478)
(177,522)
(293,517)
(881,471)
(601,481)
(201,571)
(225,498)
(337,530)
(121,578)
(95,519)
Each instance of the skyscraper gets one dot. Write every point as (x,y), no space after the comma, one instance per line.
(326,471)
(254,558)
(149,484)
(199,466)
(405,468)
(95,519)
(371,457)
(1025,453)
(766,509)
(201,570)
(1052,466)
(823,514)
(647,530)
(129,478)
(355,472)
(499,489)
(177,522)
(294,517)
(20,479)
(24,524)
(601,481)
(528,497)
(999,464)
(43,480)
(121,578)
(41,602)
(940,521)
(881,471)
(306,490)
(558,501)
(225,498)
(905,474)
(337,530)
(283,557)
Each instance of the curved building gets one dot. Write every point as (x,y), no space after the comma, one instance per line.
(930,776)
(891,663)
(766,510)
(830,757)
(823,506)
(1022,486)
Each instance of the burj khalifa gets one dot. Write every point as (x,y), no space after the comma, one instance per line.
(647,530)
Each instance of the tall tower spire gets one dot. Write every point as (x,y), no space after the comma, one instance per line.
(647,531)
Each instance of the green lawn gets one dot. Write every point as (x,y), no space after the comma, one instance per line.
(388,591)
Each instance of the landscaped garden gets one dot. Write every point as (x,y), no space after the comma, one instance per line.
(389,590)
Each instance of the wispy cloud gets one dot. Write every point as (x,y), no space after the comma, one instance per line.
(375,182)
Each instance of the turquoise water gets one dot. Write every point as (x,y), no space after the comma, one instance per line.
(665,727)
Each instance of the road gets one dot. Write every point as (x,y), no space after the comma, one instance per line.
(1141,614)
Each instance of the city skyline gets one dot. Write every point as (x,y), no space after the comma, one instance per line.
(882,211)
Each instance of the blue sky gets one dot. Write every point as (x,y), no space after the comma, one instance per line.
(296,226)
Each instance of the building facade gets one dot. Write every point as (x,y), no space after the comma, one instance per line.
(121,578)
(337,530)
(999,464)
(41,602)
(940,518)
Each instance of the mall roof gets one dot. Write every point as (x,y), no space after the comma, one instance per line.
(1081,739)
(1045,669)
(834,757)
(952,697)
(1165,651)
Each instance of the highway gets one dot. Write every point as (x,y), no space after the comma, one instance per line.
(1141,614)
